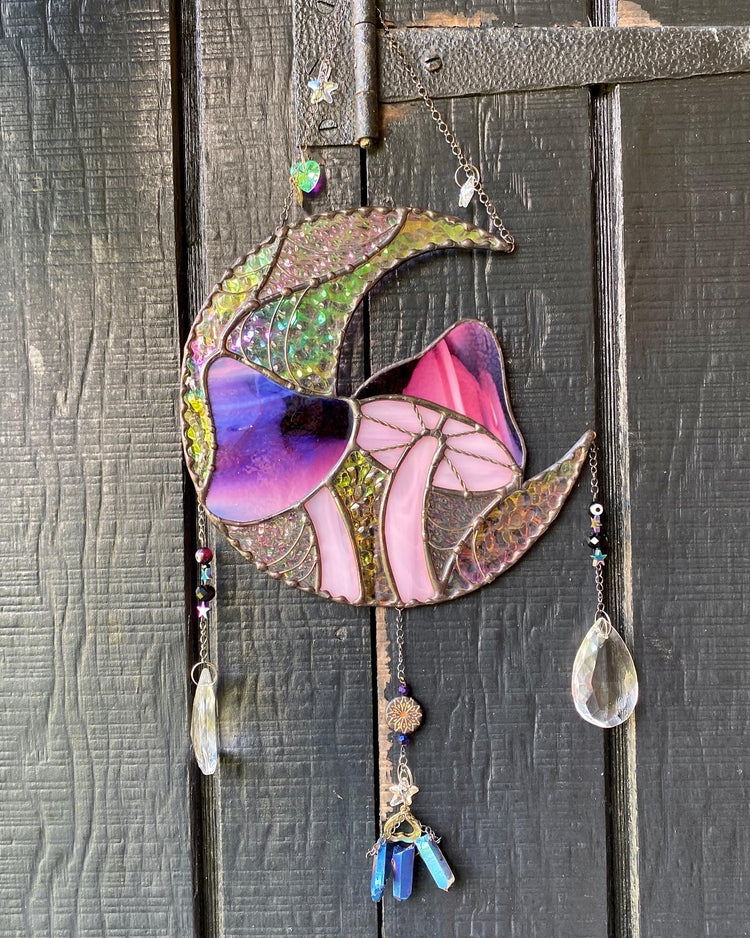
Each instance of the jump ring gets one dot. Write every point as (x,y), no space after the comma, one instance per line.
(213,670)
(471,173)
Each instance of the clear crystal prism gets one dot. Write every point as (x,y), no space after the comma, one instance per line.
(604,682)
(203,724)
(467,192)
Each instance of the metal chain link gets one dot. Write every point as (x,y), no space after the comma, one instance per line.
(400,640)
(465,163)
(601,611)
(203,634)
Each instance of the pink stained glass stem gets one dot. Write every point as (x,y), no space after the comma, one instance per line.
(403,526)
(339,572)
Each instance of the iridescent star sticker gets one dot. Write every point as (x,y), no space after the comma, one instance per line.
(402,794)
(322,87)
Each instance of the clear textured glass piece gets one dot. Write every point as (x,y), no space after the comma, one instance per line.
(403,870)
(435,862)
(203,724)
(381,870)
(604,682)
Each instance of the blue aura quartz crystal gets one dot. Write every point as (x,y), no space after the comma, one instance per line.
(435,861)
(403,870)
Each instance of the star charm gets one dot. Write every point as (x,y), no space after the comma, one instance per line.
(202,610)
(322,87)
(402,794)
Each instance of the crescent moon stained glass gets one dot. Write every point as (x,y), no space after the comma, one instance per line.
(409,492)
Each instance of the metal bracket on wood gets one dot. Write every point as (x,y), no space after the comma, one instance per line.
(463,61)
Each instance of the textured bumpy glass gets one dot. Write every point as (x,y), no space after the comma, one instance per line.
(409,492)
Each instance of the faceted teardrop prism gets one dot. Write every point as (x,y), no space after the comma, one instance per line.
(203,724)
(605,683)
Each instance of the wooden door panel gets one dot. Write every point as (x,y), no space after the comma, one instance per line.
(291,810)
(686,177)
(93,748)
(508,772)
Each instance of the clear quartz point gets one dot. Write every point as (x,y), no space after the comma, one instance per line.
(467,192)
(203,724)
(604,683)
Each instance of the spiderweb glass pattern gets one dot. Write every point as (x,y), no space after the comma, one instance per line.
(507,531)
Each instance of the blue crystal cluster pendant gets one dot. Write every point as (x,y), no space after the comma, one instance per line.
(404,837)
(394,854)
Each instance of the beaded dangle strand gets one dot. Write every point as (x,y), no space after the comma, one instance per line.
(604,683)
(403,836)
(203,730)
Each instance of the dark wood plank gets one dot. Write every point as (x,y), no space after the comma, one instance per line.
(509,775)
(295,791)
(93,745)
(683,13)
(687,177)
(486,12)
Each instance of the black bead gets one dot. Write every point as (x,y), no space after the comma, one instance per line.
(205,593)
(598,540)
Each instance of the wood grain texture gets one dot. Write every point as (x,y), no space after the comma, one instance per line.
(486,12)
(295,790)
(93,743)
(687,179)
(686,12)
(509,775)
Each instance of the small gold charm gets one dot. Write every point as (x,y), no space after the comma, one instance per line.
(403,714)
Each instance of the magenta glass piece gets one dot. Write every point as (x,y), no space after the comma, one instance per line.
(462,371)
(404,526)
(273,445)
(339,572)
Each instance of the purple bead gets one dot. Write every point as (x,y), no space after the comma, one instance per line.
(404,739)
(403,689)
(204,555)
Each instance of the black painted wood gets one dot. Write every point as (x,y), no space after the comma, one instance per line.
(509,774)
(93,744)
(294,793)
(687,177)
(99,824)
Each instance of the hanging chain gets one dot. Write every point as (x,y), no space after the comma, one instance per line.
(596,511)
(471,171)
(204,593)
(400,667)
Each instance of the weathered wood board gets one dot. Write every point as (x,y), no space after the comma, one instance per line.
(687,175)
(94,837)
(509,774)
(102,833)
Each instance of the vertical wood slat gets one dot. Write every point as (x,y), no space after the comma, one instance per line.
(190,264)
(93,746)
(295,783)
(613,444)
(687,215)
(509,775)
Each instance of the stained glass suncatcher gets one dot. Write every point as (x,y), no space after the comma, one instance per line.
(411,491)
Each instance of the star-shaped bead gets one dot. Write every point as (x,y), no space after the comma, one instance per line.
(202,610)
(402,794)
(322,87)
